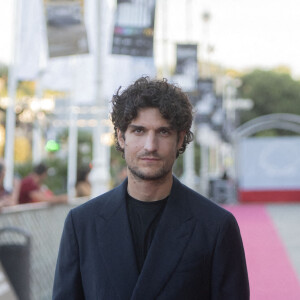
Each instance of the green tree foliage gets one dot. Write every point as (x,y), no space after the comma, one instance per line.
(56,180)
(271,91)
(58,167)
(84,149)
(117,166)
(3,70)
(3,80)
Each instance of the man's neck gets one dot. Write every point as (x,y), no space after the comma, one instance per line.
(149,190)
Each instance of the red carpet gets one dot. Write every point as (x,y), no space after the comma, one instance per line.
(271,273)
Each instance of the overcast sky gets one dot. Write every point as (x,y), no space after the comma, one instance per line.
(251,33)
(244,33)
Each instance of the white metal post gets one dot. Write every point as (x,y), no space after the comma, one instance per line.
(72,155)
(204,169)
(37,132)
(36,142)
(189,174)
(10,112)
(100,175)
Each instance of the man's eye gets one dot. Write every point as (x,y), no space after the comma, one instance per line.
(138,130)
(164,132)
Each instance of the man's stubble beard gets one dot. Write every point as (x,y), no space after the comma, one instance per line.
(159,175)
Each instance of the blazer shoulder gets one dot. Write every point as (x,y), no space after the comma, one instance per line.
(200,206)
(100,203)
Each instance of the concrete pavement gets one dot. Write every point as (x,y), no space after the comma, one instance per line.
(286,219)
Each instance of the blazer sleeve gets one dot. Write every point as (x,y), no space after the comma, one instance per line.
(229,271)
(67,279)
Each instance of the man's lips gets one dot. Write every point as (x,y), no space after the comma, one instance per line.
(150,158)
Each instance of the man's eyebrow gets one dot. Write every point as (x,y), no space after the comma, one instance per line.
(166,128)
(132,126)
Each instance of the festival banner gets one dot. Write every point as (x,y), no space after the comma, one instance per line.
(186,72)
(269,169)
(31,43)
(205,100)
(134,28)
(186,60)
(66,30)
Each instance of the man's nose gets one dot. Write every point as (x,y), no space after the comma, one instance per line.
(151,142)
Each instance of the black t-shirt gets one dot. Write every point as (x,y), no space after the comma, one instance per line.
(143,219)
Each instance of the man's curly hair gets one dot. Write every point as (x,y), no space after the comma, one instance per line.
(172,103)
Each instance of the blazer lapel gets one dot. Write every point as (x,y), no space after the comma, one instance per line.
(115,242)
(171,237)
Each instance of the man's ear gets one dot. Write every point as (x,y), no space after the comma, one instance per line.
(181,136)
(121,138)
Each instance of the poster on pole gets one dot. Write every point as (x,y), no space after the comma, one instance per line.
(66,30)
(206,101)
(186,60)
(186,72)
(134,28)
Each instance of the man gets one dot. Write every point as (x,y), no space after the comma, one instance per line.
(32,189)
(151,237)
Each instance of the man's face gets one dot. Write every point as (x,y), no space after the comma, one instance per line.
(150,145)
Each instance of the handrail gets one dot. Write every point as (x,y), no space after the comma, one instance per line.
(39,205)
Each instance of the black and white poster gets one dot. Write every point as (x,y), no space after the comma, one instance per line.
(186,60)
(186,72)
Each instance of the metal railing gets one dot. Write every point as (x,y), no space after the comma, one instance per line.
(44,223)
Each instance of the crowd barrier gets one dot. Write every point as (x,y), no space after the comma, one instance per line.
(41,225)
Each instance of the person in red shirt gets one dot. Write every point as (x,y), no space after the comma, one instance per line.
(32,189)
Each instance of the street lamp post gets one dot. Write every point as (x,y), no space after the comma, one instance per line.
(10,112)
(101,153)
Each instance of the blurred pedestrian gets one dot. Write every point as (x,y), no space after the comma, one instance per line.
(33,190)
(83,185)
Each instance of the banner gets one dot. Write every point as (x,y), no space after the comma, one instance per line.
(208,106)
(66,31)
(186,60)
(269,169)
(31,44)
(134,28)
(186,72)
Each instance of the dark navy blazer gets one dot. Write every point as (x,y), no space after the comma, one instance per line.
(196,253)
